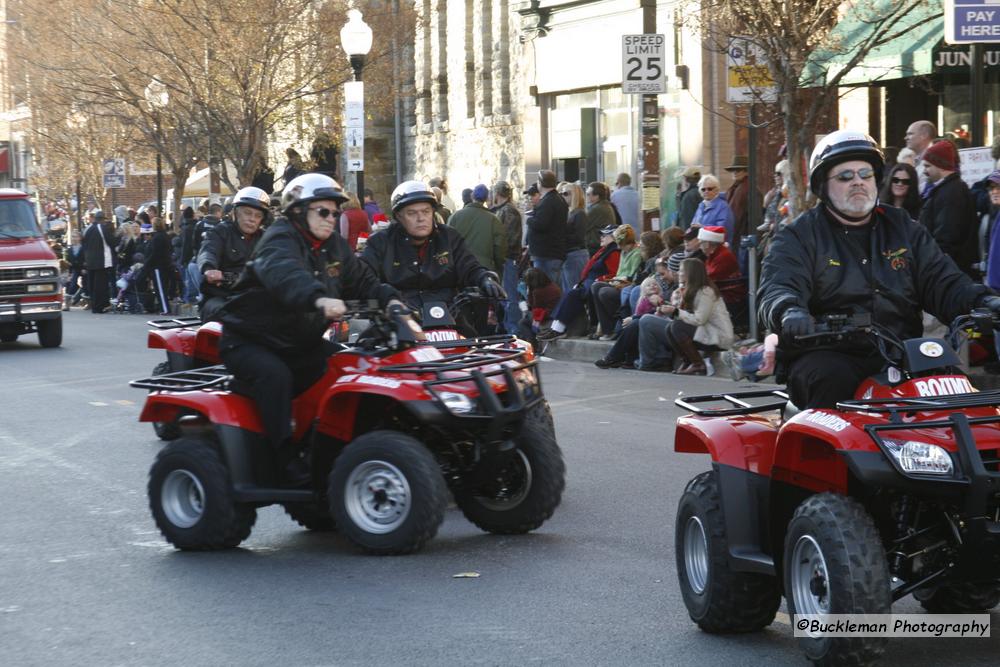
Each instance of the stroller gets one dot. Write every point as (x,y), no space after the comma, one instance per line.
(129,298)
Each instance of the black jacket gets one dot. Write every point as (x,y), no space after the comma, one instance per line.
(225,249)
(434,272)
(93,245)
(813,264)
(200,231)
(158,252)
(547,227)
(188,253)
(274,299)
(949,214)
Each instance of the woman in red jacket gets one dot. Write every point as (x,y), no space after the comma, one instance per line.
(353,221)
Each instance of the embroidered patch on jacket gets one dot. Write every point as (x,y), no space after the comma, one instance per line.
(896,259)
(442,258)
(333,269)
(834,262)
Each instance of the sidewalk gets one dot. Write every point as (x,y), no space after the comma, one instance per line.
(588,351)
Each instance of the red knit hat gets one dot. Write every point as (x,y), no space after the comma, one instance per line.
(942,155)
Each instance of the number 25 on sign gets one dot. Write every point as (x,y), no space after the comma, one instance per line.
(642,64)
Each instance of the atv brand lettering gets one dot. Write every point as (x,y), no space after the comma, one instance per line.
(944,386)
(426,354)
(832,422)
(380,382)
(442,334)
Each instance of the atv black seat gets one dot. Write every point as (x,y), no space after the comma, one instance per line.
(201,378)
(175,322)
(739,400)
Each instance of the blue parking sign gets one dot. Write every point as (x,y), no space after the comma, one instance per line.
(971,21)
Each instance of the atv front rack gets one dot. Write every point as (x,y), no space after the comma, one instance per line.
(479,341)
(175,322)
(896,407)
(737,400)
(201,378)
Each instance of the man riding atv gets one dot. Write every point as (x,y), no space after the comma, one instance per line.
(851,254)
(425,261)
(228,246)
(296,281)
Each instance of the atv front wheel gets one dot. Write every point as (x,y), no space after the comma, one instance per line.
(717,598)
(192,498)
(835,564)
(964,598)
(525,488)
(165,430)
(387,494)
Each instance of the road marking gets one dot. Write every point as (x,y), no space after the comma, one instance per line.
(98,404)
(125,402)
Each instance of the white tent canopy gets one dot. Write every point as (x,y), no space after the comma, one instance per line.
(197,183)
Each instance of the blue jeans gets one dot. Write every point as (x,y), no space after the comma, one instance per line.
(551,267)
(193,280)
(572,268)
(654,346)
(511,311)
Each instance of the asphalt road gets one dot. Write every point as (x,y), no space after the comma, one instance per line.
(86,579)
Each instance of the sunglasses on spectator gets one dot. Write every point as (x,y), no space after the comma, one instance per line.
(709,189)
(848,175)
(324,212)
(900,181)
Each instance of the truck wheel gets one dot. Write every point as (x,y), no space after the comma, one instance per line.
(50,332)
(522,492)
(311,516)
(387,494)
(835,564)
(192,498)
(165,430)
(963,598)
(717,599)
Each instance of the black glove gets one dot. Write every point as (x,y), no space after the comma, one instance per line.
(492,289)
(796,322)
(990,302)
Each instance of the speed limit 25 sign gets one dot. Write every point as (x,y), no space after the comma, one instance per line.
(643,63)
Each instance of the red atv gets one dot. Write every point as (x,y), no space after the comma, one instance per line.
(189,344)
(848,510)
(388,430)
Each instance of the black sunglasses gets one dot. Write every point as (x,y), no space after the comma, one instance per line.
(900,181)
(708,189)
(848,175)
(324,212)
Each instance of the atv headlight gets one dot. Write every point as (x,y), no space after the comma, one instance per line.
(920,457)
(459,404)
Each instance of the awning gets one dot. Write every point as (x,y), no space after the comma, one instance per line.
(910,54)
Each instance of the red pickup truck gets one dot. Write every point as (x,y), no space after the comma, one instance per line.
(30,294)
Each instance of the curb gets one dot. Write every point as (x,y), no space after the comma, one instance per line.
(588,351)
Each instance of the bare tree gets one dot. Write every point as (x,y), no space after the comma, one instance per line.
(800,41)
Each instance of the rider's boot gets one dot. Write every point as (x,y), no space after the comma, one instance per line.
(295,471)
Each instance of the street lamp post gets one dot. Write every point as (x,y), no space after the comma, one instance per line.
(158,98)
(75,120)
(356,40)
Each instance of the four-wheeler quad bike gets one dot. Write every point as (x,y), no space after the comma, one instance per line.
(845,510)
(387,431)
(190,344)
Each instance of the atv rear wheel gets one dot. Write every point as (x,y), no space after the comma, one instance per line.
(964,598)
(8,338)
(192,498)
(717,599)
(165,430)
(311,516)
(525,489)
(835,564)
(387,494)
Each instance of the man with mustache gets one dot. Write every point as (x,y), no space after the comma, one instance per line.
(852,255)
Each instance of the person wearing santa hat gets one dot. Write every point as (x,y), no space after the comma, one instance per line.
(849,254)
(721,264)
(949,211)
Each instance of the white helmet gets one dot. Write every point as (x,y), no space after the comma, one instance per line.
(253,197)
(307,188)
(411,192)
